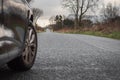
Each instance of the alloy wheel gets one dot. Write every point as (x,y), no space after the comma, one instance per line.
(29,51)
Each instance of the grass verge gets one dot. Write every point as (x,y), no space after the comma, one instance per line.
(113,35)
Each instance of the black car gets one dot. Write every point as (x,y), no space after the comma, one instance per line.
(18,39)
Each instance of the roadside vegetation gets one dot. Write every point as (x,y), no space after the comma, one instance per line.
(109,31)
(114,35)
(106,24)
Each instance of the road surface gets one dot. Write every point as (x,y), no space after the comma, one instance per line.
(71,57)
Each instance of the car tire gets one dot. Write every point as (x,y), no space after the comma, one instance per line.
(25,61)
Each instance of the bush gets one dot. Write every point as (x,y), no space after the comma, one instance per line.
(68,22)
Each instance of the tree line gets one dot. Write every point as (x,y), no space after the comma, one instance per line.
(80,8)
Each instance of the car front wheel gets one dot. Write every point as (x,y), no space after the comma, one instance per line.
(26,60)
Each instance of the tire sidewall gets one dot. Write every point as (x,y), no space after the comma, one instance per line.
(21,57)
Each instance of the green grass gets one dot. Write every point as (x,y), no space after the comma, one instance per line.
(114,35)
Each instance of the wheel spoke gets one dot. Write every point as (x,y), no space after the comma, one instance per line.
(30,55)
(26,53)
(33,45)
(32,39)
(30,33)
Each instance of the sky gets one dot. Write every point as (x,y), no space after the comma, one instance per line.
(54,7)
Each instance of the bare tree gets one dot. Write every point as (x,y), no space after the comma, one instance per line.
(36,14)
(29,1)
(110,12)
(79,8)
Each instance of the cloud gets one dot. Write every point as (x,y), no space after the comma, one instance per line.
(53,7)
(112,1)
(50,8)
(43,22)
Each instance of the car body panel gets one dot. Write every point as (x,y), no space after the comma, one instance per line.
(14,16)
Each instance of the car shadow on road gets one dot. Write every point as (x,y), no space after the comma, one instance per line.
(33,74)
(8,74)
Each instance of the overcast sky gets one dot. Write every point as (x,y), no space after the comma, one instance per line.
(54,7)
(50,7)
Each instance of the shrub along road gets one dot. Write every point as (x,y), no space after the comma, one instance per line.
(71,57)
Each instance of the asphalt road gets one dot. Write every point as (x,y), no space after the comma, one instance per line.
(71,57)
